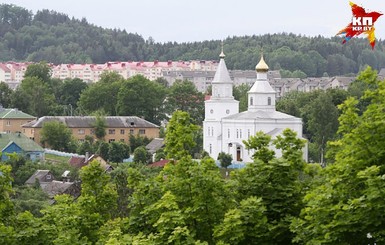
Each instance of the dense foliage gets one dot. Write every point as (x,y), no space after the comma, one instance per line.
(56,38)
(270,201)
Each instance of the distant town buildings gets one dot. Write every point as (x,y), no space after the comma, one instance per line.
(201,73)
(12,73)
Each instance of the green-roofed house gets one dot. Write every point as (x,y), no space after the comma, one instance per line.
(20,144)
(12,119)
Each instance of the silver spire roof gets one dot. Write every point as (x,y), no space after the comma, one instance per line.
(222,74)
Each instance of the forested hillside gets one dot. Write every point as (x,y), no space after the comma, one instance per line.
(57,38)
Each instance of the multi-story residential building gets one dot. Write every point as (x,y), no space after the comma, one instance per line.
(5,73)
(11,120)
(117,128)
(12,73)
(150,70)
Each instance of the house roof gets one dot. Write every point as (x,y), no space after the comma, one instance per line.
(89,122)
(39,175)
(14,114)
(160,163)
(56,187)
(155,145)
(21,140)
(77,161)
(80,161)
(345,80)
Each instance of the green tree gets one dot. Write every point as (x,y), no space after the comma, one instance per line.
(40,70)
(117,152)
(86,146)
(344,206)
(260,144)
(103,150)
(102,96)
(159,155)
(141,155)
(33,96)
(322,122)
(96,185)
(133,99)
(57,136)
(200,193)
(274,180)
(246,224)
(100,127)
(240,94)
(169,222)
(137,141)
(30,199)
(6,207)
(70,92)
(180,135)
(185,97)
(5,95)
(225,159)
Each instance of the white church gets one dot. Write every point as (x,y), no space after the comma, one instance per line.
(225,128)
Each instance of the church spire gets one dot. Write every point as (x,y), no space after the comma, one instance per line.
(222,85)
(222,74)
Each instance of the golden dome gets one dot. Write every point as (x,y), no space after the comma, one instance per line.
(262,66)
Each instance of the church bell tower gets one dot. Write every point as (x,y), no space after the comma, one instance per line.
(221,104)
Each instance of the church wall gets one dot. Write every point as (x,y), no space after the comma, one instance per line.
(217,109)
(239,131)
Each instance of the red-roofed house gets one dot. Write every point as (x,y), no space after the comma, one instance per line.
(80,161)
(160,163)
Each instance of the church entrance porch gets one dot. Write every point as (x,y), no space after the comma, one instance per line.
(235,149)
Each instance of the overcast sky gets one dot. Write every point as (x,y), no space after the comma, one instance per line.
(198,20)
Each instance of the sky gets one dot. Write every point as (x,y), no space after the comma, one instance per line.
(199,20)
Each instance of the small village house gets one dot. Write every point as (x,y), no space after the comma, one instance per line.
(21,145)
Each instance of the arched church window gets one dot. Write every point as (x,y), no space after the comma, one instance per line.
(211,149)
(248,133)
(251,100)
(212,131)
(228,133)
(237,133)
(240,133)
(208,131)
(268,100)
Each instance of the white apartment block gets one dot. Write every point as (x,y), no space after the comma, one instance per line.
(12,72)
(151,70)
